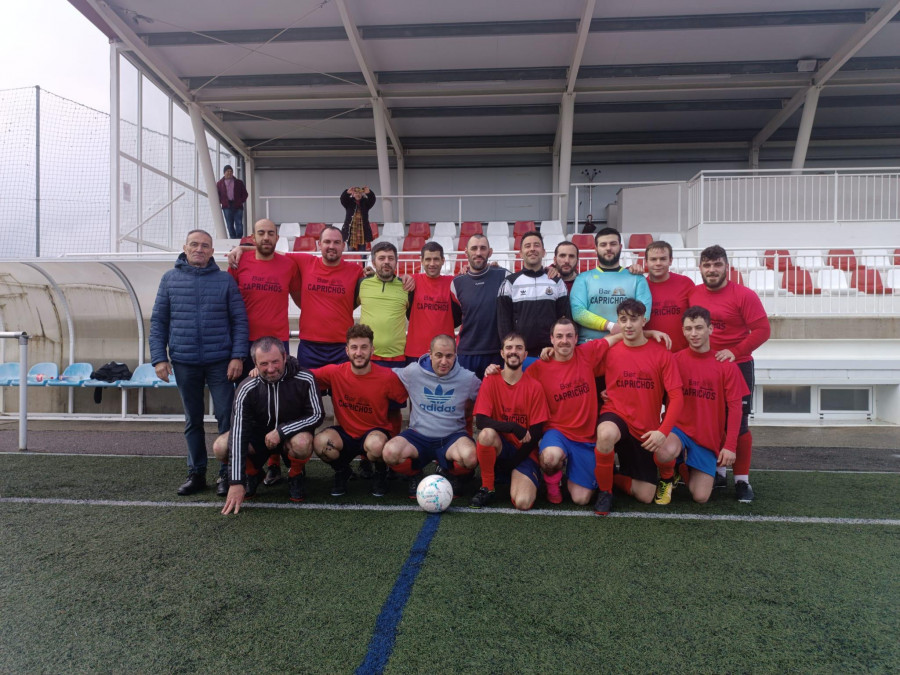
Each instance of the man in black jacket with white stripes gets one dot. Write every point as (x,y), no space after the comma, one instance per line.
(276,411)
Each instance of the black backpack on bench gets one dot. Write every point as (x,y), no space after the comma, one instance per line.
(110,372)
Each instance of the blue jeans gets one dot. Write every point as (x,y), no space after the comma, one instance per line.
(190,380)
(234,223)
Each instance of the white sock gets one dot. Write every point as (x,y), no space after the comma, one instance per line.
(722,471)
(743,477)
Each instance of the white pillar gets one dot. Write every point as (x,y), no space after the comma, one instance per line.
(384,165)
(250,208)
(114,190)
(554,183)
(401,203)
(206,168)
(806,125)
(566,113)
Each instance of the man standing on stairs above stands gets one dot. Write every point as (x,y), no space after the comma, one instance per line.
(597,293)
(232,197)
(476,292)
(740,325)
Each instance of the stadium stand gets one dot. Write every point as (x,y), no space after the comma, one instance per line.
(551,227)
(779,258)
(497,229)
(833,282)
(522,226)
(413,243)
(639,241)
(842,259)
(811,259)
(419,229)
(674,239)
(866,280)
(392,230)
(798,281)
(445,230)
(470,227)
(315,229)
(291,230)
(305,244)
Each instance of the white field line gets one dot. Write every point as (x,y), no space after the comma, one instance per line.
(317,459)
(457,510)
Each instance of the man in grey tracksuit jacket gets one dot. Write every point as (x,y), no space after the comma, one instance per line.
(440,393)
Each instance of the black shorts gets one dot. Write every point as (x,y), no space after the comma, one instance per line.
(634,461)
(351,447)
(259,453)
(749,373)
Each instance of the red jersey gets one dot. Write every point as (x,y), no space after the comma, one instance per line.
(430,313)
(670,299)
(571,391)
(523,403)
(327,297)
(636,380)
(265,286)
(738,319)
(712,390)
(360,401)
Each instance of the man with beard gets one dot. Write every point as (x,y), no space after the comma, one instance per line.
(439,393)
(529,301)
(565,264)
(741,326)
(597,292)
(327,286)
(274,412)
(476,292)
(361,392)
(432,308)
(510,412)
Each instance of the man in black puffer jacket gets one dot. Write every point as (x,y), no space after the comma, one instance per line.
(274,412)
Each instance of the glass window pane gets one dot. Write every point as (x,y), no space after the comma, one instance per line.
(155,119)
(182,146)
(787,399)
(844,400)
(128,106)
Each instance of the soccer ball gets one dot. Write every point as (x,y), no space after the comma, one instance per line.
(434,494)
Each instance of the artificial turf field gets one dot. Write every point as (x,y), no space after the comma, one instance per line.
(804,580)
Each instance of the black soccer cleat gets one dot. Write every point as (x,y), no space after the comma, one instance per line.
(413,484)
(365,469)
(222,487)
(743,491)
(720,482)
(380,483)
(252,485)
(482,498)
(297,488)
(603,504)
(339,486)
(273,475)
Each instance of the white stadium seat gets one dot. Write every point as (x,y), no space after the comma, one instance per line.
(746,261)
(446,230)
(551,227)
(393,230)
(674,239)
(810,259)
(289,230)
(683,260)
(497,229)
(892,280)
(879,258)
(764,282)
(834,282)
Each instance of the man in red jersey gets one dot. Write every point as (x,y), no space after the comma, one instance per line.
(265,281)
(740,326)
(707,430)
(361,392)
(327,297)
(510,412)
(638,374)
(432,308)
(669,292)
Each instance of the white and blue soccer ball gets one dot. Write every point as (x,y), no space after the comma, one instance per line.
(434,494)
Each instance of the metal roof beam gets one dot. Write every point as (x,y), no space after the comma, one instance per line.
(856,42)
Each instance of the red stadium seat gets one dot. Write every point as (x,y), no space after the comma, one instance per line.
(522,226)
(584,242)
(420,230)
(842,259)
(411,243)
(468,228)
(897,257)
(314,230)
(639,241)
(867,280)
(798,281)
(305,244)
(248,239)
(784,259)
(373,226)
(735,276)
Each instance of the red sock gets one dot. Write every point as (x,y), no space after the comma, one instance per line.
(273,460)
(622,483)
(666,469)
(553,478)
(457,469)
(296,466)
(685,472)
(487,459)
(250,468)
(744,453)
(603,469)
(405,467)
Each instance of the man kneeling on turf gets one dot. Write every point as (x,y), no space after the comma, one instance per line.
(274,412)
(510,412)
(706,435)
(638,373)
(361,392)
(439,392)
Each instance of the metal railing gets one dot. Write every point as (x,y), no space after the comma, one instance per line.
(22,337)
(794,196)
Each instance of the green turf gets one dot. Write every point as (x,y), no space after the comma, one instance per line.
(166,589)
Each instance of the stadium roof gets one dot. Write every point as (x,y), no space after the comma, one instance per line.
(297,81)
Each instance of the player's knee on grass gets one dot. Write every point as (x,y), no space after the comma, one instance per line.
(522,493)
(327,445)
(701,486)
(608,435)
(643,492)
(374,445)
(489,437)
(300,446)
(580,494)
(220,447)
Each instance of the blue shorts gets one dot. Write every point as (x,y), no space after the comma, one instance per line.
(527,467)
(478,362)
(580,460)
(431,449)
(696,456)
(318,354)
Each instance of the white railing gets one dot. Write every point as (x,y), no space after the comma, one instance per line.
(22,337)
(794,196)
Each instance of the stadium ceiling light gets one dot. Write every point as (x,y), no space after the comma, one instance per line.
(807,65)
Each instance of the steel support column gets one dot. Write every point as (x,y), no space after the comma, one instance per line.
(806,125)
(206,168)
(384,166)
(566,113)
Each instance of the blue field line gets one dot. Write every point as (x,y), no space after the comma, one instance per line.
(382,643)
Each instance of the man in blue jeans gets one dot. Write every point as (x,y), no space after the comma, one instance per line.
(198,330)
(232,197)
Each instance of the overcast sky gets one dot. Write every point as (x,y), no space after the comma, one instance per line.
(50,44)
